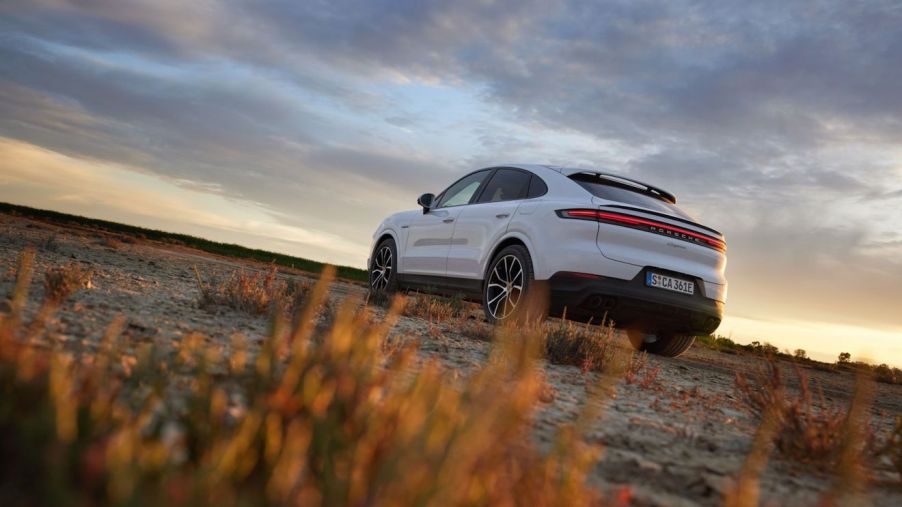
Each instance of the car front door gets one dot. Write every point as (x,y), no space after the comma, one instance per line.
(429,235)
(481,224)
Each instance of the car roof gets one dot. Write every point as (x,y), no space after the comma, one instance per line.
(539,168)
(569,171)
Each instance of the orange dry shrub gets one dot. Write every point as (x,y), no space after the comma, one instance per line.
(311,418)
(258,293)
(253,292)
(808,430)
(61,282)
(592,348)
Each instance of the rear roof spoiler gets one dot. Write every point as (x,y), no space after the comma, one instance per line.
(622,180)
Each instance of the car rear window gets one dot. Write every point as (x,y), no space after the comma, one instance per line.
(613,191)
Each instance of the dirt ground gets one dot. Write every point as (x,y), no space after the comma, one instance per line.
(677,441)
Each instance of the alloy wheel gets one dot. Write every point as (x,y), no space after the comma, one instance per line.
(381,269)
(505,287)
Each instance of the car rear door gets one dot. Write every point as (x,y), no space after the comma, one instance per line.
(481,224)
(429,235)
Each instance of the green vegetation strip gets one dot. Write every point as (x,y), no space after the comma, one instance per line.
(226,249)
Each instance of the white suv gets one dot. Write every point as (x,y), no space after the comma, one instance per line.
(600,246)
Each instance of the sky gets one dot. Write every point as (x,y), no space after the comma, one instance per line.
(296,126)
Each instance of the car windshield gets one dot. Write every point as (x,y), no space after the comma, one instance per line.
(613,191)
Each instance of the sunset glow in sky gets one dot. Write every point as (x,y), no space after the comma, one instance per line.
(296,126)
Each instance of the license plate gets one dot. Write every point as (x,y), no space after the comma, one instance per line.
(669,283)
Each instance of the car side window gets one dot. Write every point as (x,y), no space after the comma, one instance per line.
(537,187)
(506,185)
(462,191)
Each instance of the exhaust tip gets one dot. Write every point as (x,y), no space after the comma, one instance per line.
(597,302)
(594,302)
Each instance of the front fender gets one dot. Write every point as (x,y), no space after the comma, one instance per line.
(386,230)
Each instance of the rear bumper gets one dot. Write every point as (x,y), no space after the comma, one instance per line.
(631,303)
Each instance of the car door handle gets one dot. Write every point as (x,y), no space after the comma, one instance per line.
(502,215)
(448,220)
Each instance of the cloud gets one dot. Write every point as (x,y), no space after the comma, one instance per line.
(224,131)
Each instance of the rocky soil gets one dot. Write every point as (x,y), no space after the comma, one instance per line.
(676,437)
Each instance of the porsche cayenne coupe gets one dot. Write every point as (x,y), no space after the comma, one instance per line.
(600,246)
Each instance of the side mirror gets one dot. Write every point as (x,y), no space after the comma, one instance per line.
(425,201)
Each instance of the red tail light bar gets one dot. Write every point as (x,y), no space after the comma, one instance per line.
(644,224)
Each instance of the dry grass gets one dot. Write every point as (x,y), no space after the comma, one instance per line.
(62,282)
(592,348)
(251,292)
(857,444)
(338,415)
(434,309)
(259,293)
(437,310)
(589,347)
(110,242)
(638,372)
(311,418)
(476,329)
(809,429)
(745,490)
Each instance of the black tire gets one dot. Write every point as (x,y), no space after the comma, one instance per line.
(383,268)
(520,302)
(665,344)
